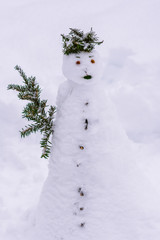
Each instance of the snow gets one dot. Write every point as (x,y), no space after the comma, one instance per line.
(77,72)
(101,162)
(60,202)
(30,37)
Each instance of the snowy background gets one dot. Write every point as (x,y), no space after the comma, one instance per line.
(30,37)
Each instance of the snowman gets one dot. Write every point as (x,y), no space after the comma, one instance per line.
(94,186)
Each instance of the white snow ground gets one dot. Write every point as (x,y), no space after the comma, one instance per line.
(30,37)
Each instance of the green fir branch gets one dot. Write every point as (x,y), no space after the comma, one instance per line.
(32,128)
(35,111)
(77,41)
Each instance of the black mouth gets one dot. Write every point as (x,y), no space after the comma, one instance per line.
(87,77)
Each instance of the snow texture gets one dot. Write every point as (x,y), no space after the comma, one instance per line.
(30,37)
(93,185)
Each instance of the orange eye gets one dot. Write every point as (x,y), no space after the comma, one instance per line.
(92,61)
(78,62)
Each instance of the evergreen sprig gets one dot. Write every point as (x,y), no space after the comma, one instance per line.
(35,111)
(76,41)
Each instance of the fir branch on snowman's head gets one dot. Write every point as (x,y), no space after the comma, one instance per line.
(77,41)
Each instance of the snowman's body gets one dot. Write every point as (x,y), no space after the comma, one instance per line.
(93,184)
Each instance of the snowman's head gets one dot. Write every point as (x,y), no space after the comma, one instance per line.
(82,68)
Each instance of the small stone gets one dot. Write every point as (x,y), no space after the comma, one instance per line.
(81,209)
(86,103)
(82,224)
(79,189)
(86,121)
(81,194)
(81,147)
(86,124)
(92,61)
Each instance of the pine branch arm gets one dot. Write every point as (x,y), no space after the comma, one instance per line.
(35,111)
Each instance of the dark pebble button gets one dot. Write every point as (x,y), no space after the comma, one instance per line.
(81,194)
(86,124)
(81,147)
(82,224)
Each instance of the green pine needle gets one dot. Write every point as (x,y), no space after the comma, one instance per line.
(76,41)
(35,111)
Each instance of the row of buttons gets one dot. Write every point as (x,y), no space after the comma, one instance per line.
(80,191)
